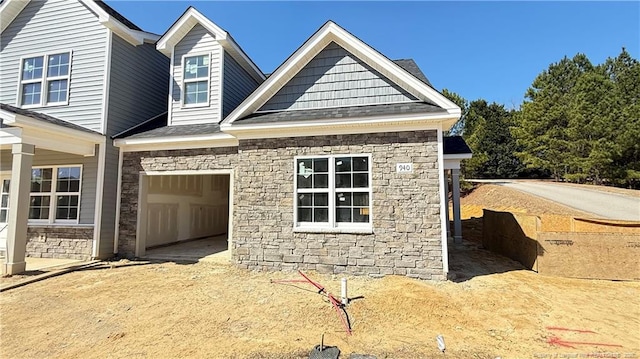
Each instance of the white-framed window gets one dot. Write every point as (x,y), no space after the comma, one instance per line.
(333,192)
(44,80)
(55,194)
(195,80)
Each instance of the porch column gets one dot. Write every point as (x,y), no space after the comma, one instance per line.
(18,208)
(446,198)
(457,224)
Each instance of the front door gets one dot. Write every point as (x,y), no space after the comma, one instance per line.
(4,210)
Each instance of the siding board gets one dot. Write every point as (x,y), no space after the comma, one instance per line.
(197,41)
(237,84)
(336,78)
(47,27)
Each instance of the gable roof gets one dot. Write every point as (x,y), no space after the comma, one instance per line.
(107,16)
(187,21)
(331,32)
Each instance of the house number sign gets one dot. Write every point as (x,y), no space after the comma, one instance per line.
(404,167)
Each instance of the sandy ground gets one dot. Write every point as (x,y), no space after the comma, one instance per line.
(491,308)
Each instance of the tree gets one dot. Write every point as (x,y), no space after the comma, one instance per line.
(542,122)
(456,129)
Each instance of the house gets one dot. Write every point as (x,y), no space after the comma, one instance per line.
(72,74)
(335,162)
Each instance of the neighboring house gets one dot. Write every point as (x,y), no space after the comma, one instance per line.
(334,163)
(72,74)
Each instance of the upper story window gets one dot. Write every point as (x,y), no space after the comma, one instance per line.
(196,80)
(333,193)
(44,80)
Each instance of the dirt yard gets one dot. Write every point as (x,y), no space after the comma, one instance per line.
(491,308)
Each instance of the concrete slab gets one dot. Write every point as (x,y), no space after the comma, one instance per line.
(38,264)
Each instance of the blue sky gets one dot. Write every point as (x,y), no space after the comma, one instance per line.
(490,50)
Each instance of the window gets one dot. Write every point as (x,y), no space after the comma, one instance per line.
(55,194)
(45,80)
(333,192)
(196,80)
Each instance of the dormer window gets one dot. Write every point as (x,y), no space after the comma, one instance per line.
(196,80)
(44,80)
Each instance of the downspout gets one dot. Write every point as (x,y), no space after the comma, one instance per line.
(116,233)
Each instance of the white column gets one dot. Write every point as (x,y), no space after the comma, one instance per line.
(446,196)
(457,224)
(18,208)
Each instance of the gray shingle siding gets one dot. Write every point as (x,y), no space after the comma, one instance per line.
(138,84)
(237,84)
(336,78)
(197,42)
(54,26)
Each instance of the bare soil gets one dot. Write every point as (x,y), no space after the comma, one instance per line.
(491,308)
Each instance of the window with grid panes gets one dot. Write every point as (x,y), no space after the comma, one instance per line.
(55,194)
(333,192)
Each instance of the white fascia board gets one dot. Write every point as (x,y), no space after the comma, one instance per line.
(176,143)
(57,142)
(243,59)
(335,127)
(186,22)
(28,122)
(9,9)
(458,156)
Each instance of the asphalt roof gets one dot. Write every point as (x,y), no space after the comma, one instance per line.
(45,118)
(341,112)
(157,127)
(111,11)
(411,67)
(455,145)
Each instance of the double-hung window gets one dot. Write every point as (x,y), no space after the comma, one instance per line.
(55,194)
(44,80)
(196,80)
(333,192)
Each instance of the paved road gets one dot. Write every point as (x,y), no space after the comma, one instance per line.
(601,204)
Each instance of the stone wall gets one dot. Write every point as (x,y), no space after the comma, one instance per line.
(135,162)
(406,238)
(69,242)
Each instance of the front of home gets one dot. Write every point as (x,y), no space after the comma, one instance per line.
(72,74)
(115,141)
(335,162)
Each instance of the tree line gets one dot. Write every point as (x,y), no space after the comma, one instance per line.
(579,122)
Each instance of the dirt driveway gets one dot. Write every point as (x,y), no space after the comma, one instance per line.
(491,308)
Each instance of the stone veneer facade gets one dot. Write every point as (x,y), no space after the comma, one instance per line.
(60,242)
(406,238)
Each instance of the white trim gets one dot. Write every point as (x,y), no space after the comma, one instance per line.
(183,88)
(102,147)
(17,120)
(116,234)
(187,21)
(171,81)
(458,156)
(393,123)
(141,218)
(316,43)
(443,205)
(221,85)
(53,194)
(9,9)
(332,226)
(175,143)
(105,82)
(44,80)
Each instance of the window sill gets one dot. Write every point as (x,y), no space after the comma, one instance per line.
(52,225)
(368,230)
(195,105)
